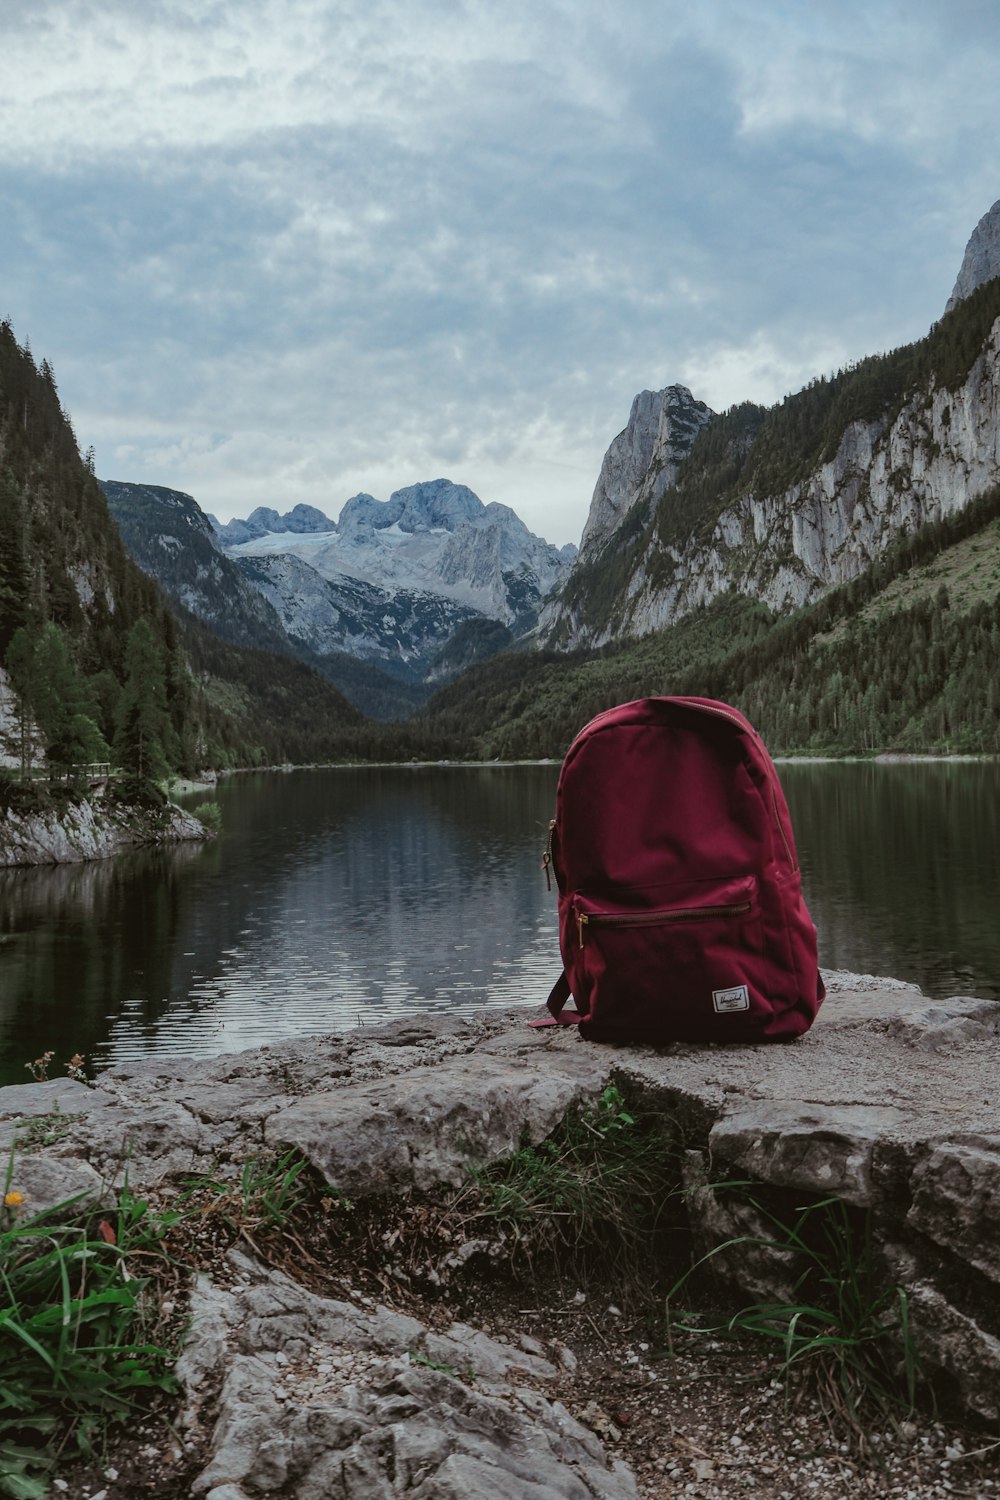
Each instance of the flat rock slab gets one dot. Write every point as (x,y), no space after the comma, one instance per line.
(432,1125)
(415,1104)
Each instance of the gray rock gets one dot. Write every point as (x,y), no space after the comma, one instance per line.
(888,1103)
(956,1200)
(64,1096)
(982,257)
(935,1028)
(754,1261)
(48,1181)
(823,1149)
(468,1351)
(213,1315)
(349,1412)
(89,830)
(145,1143)
(949,1339)
(430,1128)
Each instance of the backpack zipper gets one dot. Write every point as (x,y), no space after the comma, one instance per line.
(651,918)
(547,856)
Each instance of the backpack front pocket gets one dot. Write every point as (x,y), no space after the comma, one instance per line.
(670,963)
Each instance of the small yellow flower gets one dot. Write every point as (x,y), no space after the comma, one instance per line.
(13,1199)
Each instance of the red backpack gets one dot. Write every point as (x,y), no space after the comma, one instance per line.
(681,915)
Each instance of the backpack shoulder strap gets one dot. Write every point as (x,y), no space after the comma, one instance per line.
(558,1014)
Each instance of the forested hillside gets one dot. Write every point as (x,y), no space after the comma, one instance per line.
(96,666)
(904,658)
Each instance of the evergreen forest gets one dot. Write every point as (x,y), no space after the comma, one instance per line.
(904,658)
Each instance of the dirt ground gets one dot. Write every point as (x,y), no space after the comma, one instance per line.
(700,1415)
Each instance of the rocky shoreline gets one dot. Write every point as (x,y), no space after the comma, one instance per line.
(888,1105)
(90,829)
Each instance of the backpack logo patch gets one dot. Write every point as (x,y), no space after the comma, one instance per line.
(737,998)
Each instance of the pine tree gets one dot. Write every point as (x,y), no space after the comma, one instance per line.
(13,562)
(144,732)
(54,693)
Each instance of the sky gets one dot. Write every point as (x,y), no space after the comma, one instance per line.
(283,251)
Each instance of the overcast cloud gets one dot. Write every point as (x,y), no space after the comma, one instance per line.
(287,250)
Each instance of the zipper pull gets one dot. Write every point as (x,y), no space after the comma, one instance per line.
(581,926)
(547,856)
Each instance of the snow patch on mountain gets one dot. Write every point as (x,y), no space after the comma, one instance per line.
(402,630)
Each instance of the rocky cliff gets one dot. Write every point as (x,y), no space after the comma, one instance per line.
(982,257)
(781,505)
(661,428)
(90,830)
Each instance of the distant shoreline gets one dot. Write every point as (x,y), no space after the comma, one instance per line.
(184,788)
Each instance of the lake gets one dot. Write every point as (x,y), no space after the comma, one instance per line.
(345,896)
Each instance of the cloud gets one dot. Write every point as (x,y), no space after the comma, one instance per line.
(762,369)
(285,251)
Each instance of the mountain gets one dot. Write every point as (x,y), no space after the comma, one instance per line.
(301,518)
(781,504)
(78,617)
(830,565)
(402,629)
(662,427)
(981,261)
(173,541)
(433,552)
(389,587)
(903,658)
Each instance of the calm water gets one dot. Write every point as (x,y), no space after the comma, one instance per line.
(333,897)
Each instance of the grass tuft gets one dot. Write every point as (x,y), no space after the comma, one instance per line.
(844,1335)
(269,1191)
(596,1189)
(78,1333)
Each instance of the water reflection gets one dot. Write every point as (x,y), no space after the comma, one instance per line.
(902,869)
(331,897)
(338,896)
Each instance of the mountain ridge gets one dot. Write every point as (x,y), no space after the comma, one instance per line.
(785,502)
(434,537)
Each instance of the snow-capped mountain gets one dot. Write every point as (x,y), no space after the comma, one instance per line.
(414,587)
(435,539)
(401,630)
